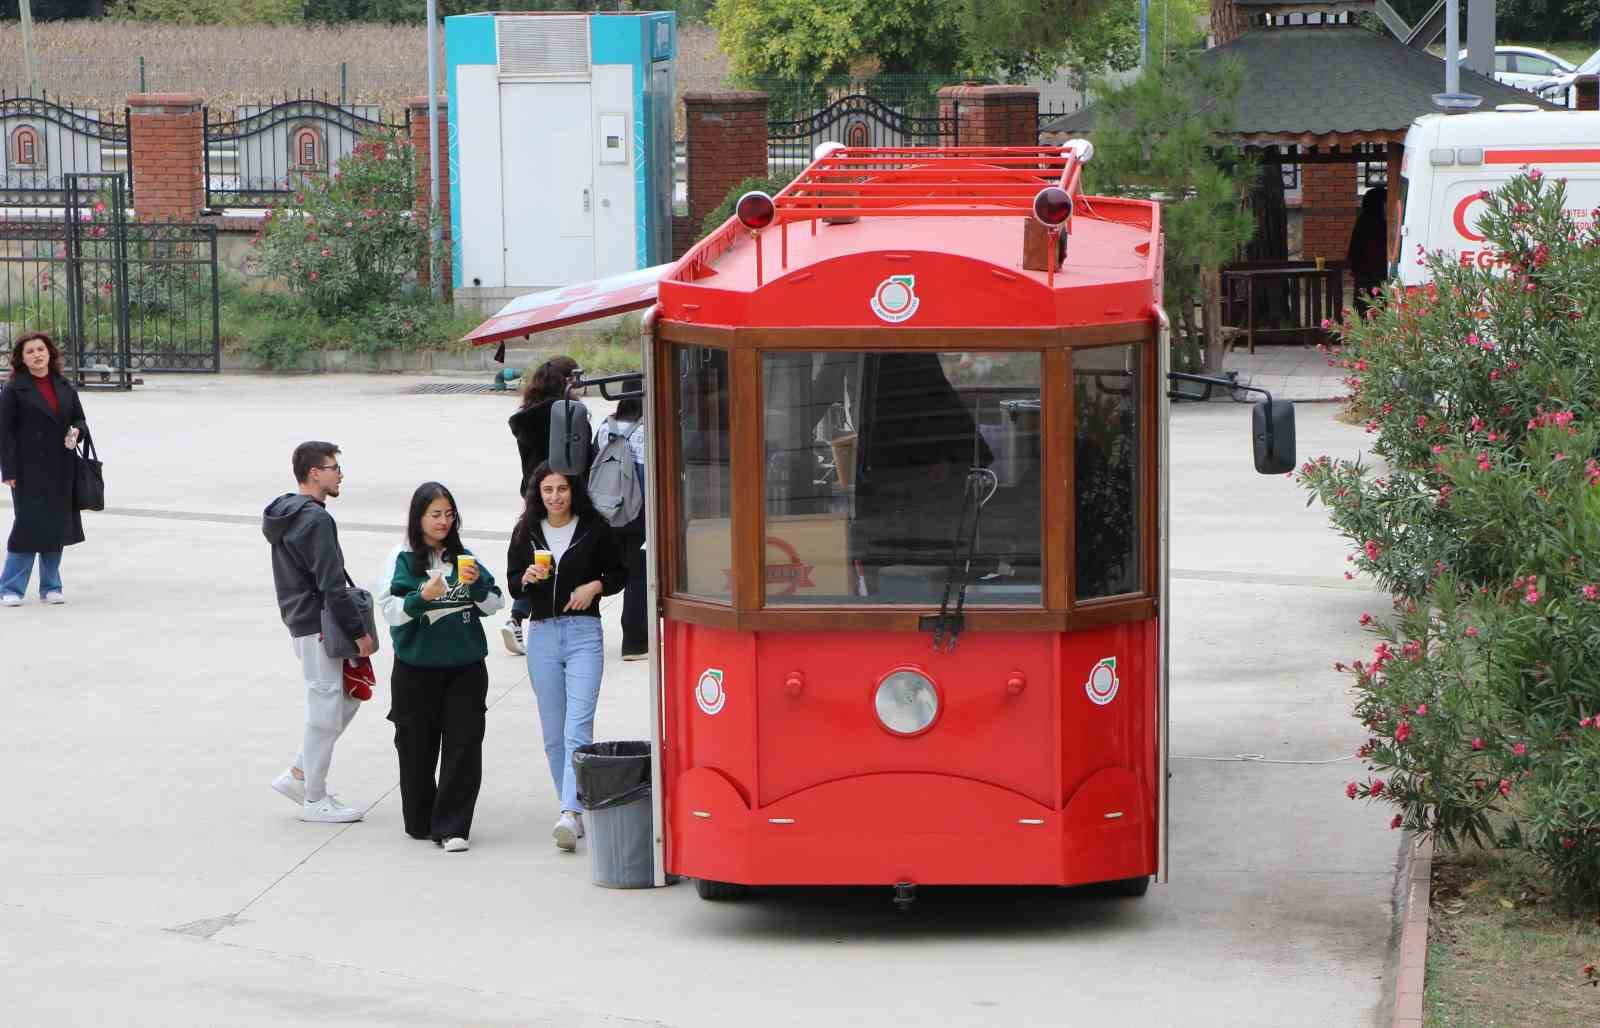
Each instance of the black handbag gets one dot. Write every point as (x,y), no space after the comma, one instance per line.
(88,476)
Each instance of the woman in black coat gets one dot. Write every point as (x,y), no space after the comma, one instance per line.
(41,422)
(530,427)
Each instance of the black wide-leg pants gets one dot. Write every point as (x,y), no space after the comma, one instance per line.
(438,716)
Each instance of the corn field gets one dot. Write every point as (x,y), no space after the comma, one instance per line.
(96,64)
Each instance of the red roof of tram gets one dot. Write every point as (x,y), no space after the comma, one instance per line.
(952,219)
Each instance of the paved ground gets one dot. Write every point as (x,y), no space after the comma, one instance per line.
(1292,372)
(152,877)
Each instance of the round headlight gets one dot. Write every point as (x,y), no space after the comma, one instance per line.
(907,703)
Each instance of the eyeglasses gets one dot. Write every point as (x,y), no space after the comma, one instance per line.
(336,469)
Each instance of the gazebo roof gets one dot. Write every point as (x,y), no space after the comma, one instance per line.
(1330,85)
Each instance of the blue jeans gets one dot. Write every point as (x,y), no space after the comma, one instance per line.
(19,568)
(565,658)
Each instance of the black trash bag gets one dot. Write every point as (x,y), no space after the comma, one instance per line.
(611,773)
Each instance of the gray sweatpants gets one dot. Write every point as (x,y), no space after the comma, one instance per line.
(328,713)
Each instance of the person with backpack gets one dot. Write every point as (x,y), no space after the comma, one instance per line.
(530,427)
(616,485)
(561,560)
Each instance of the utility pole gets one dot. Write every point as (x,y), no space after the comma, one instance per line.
(26,10)
(1144,34)
(435,229)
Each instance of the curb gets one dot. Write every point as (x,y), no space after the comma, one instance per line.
(1411,980)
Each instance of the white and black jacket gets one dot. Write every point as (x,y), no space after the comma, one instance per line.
(593,556)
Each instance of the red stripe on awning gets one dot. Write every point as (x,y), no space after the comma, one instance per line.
(1586,156)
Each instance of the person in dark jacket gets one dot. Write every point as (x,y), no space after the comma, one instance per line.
(1368,254)
(563,558)
(440,683)
(530,426)
(309,574)
(41,421)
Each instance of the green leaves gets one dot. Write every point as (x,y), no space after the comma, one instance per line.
(1482,515)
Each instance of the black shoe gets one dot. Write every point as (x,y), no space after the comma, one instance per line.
(632,653)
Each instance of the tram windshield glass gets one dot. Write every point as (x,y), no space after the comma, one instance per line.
(875,464)
(1105,397)
(701,384)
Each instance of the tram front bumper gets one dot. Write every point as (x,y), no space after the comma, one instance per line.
(931,829)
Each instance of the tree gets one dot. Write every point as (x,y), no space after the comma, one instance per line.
(1165,136)
(813,39)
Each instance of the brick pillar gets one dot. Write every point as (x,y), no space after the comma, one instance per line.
(1328,205)
(429,164)
(727,137)
(992,115)
(1227,24)
(167,140)
(1588,90)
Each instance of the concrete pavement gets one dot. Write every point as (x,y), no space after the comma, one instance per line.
(152,877)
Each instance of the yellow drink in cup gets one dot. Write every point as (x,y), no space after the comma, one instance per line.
(463,562)
(542,558)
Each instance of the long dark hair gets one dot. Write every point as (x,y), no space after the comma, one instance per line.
(421,552)
(533,504)
(549,381)
(19,369)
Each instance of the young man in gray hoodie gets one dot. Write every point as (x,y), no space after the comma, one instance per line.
(308,571)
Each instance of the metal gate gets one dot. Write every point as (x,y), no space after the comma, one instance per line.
(120,297)
(856,120)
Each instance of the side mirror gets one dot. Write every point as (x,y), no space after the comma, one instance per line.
(1272,430)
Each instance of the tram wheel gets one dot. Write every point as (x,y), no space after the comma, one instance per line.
(1132,888)
(710,890)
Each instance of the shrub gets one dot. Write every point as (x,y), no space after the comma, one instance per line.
(349,242)
(1484,519)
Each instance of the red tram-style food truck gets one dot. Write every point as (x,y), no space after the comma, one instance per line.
(908,505)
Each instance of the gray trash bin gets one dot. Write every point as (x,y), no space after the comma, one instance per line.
(614,788)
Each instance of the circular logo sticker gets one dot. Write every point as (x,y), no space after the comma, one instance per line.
(896,298)
(708,692)
(1102,684)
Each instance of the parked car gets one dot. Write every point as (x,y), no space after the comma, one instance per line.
(1560,90)
(1525,67)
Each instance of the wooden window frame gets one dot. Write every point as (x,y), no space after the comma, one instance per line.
(1058,612)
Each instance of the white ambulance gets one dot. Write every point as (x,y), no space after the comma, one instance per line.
(1453,161)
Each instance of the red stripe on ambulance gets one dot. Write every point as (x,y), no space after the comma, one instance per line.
(1587,156)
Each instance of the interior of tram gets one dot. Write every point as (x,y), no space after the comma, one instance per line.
(882,469)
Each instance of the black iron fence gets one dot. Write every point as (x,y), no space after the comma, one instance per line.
(42,142)
(269,151)
(856,120)
(121,297)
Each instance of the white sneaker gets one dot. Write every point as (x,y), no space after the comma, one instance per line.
(55,598)
(329,810)
(511,635)
(455,844)
(292,788)
(567,832)
(9,600)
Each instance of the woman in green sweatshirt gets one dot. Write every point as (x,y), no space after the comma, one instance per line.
(440,682)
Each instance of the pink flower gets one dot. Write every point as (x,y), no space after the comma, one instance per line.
(1477,744)
(1422,710)
(1396,822)
(1348,575)
(327,253)
(1372,548)
(1403,732)
(1472,633)
(1376,789)
(1520,749)
(1567,844)
(1477,424)
(1505,787)
(313,276)
(1532,595)
(1584,722)
(1366,618)
(1438,449)
(1350,790)
(1422,421)
(1591,592)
